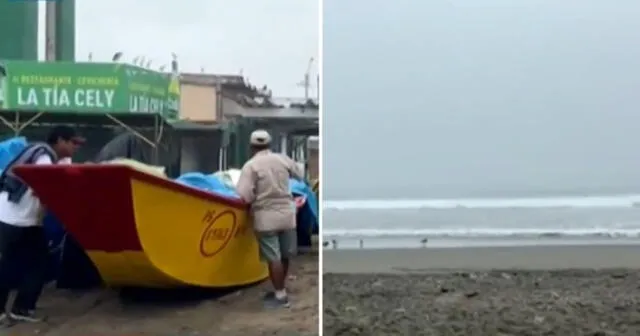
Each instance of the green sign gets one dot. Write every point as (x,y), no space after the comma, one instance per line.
(87,88)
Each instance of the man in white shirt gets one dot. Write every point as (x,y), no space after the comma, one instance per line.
(264,183)
(22,238)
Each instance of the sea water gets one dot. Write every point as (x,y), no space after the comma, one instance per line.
(585,220)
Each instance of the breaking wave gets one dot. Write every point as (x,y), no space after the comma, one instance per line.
(625,201)
(487,233)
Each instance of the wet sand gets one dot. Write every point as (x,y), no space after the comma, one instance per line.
(506,291)
(103,312)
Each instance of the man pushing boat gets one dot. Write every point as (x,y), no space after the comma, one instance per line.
(264,184)
(23,245)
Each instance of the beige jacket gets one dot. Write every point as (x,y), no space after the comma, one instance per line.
(264,183)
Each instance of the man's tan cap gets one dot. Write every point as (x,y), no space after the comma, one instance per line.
(260,138)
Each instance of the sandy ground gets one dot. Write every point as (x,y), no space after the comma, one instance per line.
(562,291)
(104,313)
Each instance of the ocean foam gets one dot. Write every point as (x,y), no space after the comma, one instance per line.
(487,233)
(625,201)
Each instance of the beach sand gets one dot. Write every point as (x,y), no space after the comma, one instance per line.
(505,291)
(103,313)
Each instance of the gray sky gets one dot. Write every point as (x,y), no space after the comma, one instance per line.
(480,98)
(271,41)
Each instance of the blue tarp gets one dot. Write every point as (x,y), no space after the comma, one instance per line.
(9,149)
(307,215)
(310,210)
(209,183)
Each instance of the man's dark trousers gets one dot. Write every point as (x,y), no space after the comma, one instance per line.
(23,264)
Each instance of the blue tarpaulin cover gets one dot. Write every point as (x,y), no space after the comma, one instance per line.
(307,216)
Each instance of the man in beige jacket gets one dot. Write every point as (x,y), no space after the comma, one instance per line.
(264,183)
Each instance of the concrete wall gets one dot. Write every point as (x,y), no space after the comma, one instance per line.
(230,107)
(198,103)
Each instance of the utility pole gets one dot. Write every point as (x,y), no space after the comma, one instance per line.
(50,31)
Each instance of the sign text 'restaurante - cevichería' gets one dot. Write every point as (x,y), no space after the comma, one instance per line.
(88,88)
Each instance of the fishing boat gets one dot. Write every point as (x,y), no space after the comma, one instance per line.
(144,230)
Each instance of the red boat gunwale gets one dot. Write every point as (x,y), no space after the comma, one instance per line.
(138,175)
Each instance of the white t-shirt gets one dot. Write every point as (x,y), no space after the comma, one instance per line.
(24,213)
